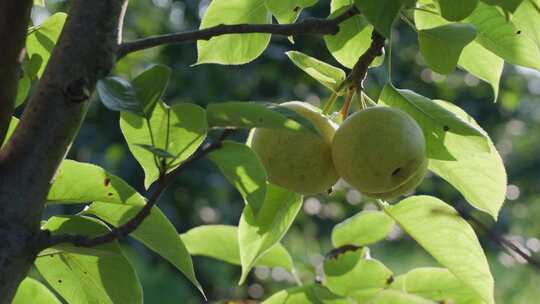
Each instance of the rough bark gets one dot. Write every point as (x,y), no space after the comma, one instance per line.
(14,17)
(85,52)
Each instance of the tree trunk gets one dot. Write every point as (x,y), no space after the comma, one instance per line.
(15,258)
(84,53)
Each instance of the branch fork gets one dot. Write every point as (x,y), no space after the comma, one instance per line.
(163,182)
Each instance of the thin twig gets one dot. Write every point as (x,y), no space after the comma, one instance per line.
(122,231)
(355,80)
(500,240)
(347,103)
(317,26)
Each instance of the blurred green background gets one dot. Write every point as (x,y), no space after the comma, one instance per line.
(202,196)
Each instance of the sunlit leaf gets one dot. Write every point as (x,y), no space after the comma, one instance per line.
(350,274)
(329,76)
(179,130)
(364,228)
(81,278)
(527,19)
(287,11)
(397,297)
(501,36)
(439,229)
(256,235)
(33,291)
(238,114)
(483,64)
(455,150)
(437,284)
(479,175)
(41,39)
(306,294)
(441,46)
(233,48)
(474,58)
(244,170)
(156,151)
(11,128)
(77,182)
(353,38)
(155,232)
(202,241)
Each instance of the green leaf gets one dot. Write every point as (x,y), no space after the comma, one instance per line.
(364,228)
(257,235)
(31,66)
(527,19)
(22,90)
(439,229)
(435,120)
(479,175)
(312,293)
(508,5)
(39,2)
(239,114)
(350,274)
(77,182)
(328,75)
(437,284)
(202,240)
(155,232)
(441,46)
(179,130)
(397,297)
(500,36)
(33,291)
(11,128)
(150,85)
(380,13)
(117,94)
(41,39)
(456,10)
(81,278)
(244,170)
(468,162)
(483,64)
(287,11)
(233,48)
(156,151)
(474,58)
(353,38)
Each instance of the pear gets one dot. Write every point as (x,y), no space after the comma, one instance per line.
(380,151)
(298,161)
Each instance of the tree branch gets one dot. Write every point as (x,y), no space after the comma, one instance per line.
(122,231)
(354,83)
(48,125)
(500,240)
(361,67)
(14,17)
(57,107)
(316,26)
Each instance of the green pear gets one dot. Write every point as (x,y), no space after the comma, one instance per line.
(381,152)
(413,182)
(299,161)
